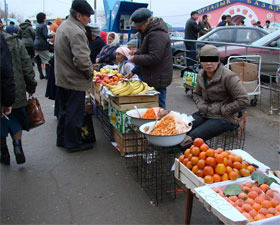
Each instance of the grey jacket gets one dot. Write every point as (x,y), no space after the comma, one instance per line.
(26,34)
(73,67)
(41,38)
(223,97)
(23,70)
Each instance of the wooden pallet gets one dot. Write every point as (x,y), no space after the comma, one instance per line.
(126,107)
(119,100)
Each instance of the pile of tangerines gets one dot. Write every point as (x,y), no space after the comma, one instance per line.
(214,165)
(254,202)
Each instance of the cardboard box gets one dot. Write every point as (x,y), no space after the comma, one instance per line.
(250,86)
(119,119)
(190,78)
(245,71)
(129,143)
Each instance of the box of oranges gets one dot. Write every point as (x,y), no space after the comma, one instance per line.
(251,200)
(200,165)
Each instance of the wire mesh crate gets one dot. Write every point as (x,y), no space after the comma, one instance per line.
(157,174)
(108,128)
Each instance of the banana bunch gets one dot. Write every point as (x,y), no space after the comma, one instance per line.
(130,88)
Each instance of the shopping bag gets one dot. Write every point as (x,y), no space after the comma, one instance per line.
(34,113)
(88,135)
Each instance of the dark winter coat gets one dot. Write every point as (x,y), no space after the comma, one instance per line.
(12,29)
(191,29)
(107,55)
(41,43)
(95,47)
(205,28)
(222,23)
(223,97)
(155,55)
(23,70)
(26,34)
(7,75)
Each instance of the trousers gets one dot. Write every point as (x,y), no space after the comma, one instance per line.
(71,106)
(190,53)
(162,97)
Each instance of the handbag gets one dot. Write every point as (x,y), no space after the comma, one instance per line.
(34,113)
(87,132)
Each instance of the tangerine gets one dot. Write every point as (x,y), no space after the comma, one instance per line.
(245,189)
(257,189)
(264,187)
(208,170)
(185,161)
(198,142)
(201,163)
(229,162)
(181,158)
(187,152)
(263,211)
(244,172)
(210,152)
(256,206)
(266,204)
(210,161)
(195,151)
(249,201)
(242,196)
(219,158)
(270,193)
(216,178)
(219,150)
(259,217)
(199,173)
(202,155)
(239,202)
(253,213)
(233,198)
(225,177)
(274,202)
(195,169)
(208,179)
(190,156)
(189,165)
(251,168)
(233,175)
(225,154)
(248,184)
(228,169)
(259,199)
(225,162)
(204,147)
(247,207)
(277,208)
(194,160)
(269,215)
(220,169)
(237,165)
(253,194)
(237,158)
(272,211)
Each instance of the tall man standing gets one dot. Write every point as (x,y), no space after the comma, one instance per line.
(191,32)
(154,55)
(73,71)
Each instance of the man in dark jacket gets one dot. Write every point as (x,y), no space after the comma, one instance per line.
(95,42)
(223,22)
(12,29)
(73,75)
(27,35)
(154,55)
(191,33)
(205,26)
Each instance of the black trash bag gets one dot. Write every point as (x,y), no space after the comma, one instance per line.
(88,135)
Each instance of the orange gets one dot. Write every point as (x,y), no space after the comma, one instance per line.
(220,169)
(219,158)
(229,162)
(239,202)
(249,201)
(219,150)
(251,168)
(228,169)
(237,158)
(274,202)
(194,160)
(201,163)
(181,158)
(225,177)
(242,196)
(233,198)
(225,154)
(247,207)
(256,206)
(270,193)
(231,157)
(272,211)
(185,161)
(269,215)
(195,151)
(263,211)
(264,187)
(210,161)
(199,173)
(195,169)
(236,171)
(208,170)
(253,194)
(237,165)
(266,204)
(259,217)
(277,208)
(189,165)
(216,178)
(210,152)
(248,184)
(259,199)
(253,213)
(257,189)
(225,162)
(245,189)
(204,147)
(191,147)
(198,142)
(187,152)
(190,156)
(264,196)
(233,175)
(244,172)
(208,179)
(202,155)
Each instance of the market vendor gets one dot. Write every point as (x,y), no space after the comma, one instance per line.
(219,95)
(124,65)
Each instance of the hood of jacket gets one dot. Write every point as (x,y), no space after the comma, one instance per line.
(24,25)
(157,24)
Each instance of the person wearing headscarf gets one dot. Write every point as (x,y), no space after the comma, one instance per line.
(107,55)
(124,65)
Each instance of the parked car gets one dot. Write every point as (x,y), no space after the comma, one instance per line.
(231,34)
(270,57)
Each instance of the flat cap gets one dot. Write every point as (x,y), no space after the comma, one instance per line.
(140,16)
(209,50)
(132,43)
(82,7)
(94,29)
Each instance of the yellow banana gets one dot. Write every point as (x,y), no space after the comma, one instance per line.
(119,85)
(126,92)
(124,89)
(145,90)
(119,89)
(138,90)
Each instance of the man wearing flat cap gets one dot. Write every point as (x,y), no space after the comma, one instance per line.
(154,55)
(219,96)
(73,71)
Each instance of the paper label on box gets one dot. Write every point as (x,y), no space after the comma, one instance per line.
(119,119)
(190,78)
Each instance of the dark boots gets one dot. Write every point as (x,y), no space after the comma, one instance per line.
(39,66)
(4,154)
(20,158)
(47,71)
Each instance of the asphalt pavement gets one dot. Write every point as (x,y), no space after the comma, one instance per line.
(95,187)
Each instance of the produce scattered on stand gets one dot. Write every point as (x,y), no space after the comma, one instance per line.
(255,200)
(131,87)
(151,113)
(107,77)
(169,125)
(214,165)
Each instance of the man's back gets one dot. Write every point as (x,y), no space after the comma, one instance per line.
(191,29)
(11,29)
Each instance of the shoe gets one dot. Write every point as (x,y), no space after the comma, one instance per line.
(59,143)
(5,156)
(20,158)
(82,147)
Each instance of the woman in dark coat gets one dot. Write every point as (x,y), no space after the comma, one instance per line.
(25,82)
